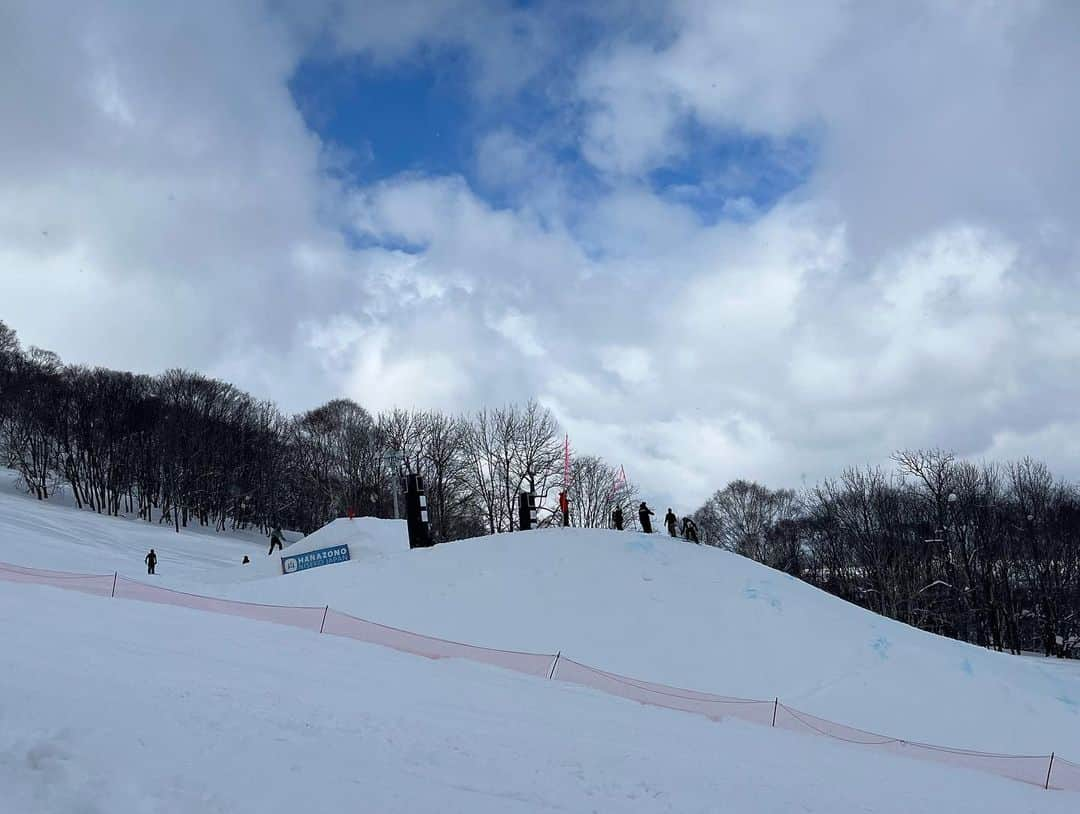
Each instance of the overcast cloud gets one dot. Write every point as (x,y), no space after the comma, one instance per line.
(164,202)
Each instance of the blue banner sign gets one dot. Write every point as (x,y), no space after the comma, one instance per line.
(313,559)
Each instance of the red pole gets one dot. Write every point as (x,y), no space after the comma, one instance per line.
(775,704)
(566,463)
(113,594)
(1049,769)
(324,612)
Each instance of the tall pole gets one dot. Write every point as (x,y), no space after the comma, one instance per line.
(566,464)
(395,462)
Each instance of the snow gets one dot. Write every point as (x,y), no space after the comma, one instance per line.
(117,706)
(124,706)
(368,539)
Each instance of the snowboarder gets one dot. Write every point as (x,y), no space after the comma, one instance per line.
(275,540)
(564,507)
(643,513)
(617,519)
(151,561)
(670,520)
(689,530)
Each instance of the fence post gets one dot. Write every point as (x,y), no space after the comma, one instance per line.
(554,664)
(775,704)
(1049,769)
(323,624)
(113,594)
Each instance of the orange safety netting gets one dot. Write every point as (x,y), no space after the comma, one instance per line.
(341,624)
(306,618)
(661,695)
(100,585)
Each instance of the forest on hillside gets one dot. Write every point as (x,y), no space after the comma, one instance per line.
(987,553)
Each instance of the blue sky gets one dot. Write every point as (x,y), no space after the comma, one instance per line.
(422,117)
(413,118)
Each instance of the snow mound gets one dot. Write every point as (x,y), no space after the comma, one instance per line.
(368,538)
(647,606)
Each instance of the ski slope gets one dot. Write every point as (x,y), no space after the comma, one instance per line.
(454,734)
(111,706)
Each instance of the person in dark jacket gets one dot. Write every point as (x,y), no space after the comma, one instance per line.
(564,507)
(670,520)
(689,530)
(275,540)
(643,513)
(617,518)
(151,561)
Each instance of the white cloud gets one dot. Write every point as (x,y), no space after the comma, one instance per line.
(164,204)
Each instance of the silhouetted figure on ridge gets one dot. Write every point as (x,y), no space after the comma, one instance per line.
(670,520)
(689,530)
(617,518)
(643,513)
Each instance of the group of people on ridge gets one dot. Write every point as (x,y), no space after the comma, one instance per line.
(689,528)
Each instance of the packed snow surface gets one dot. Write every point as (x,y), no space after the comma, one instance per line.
(123,706)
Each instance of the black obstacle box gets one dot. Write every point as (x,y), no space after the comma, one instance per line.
(416,511)
(526,511)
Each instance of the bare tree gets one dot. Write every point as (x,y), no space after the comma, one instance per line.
(596,489)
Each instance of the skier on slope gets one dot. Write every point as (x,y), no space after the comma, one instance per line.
(670,520)
(643,513)
(617,518)
(275,540)
(689,530)
(151,561)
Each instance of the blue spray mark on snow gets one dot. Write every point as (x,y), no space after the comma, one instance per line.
(750,592)
(965,665)
(881,646)
(640,545)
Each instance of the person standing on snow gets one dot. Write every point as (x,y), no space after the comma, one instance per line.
(275,540)
(689,530)
(670,520)
(643,513)
(617,519)
(564,507)
(151,561)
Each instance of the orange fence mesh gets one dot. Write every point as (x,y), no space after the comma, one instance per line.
(306,618)
(341,624)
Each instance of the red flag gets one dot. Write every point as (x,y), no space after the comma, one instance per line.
(566,463)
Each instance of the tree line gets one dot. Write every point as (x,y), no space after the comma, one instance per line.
(182,448)
(989,554)
(984,553)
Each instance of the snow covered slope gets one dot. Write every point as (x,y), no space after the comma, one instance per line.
(650,607)
(120,706)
